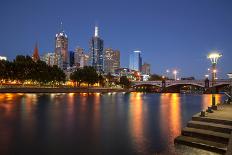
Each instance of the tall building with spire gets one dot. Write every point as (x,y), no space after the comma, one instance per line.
(61,48)
(35,56)
(96,52)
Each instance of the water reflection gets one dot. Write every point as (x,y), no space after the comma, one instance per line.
(207,100)
(134,123)
(137,122)
(170,115)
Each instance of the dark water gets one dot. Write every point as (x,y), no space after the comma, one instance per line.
(117,123)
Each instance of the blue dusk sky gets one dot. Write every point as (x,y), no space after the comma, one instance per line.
(172,34)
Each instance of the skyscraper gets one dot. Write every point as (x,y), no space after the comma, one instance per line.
(77,56)
(35,55)
(61,47)
(71,58)
(135,61)
(96,52)
(84,60)
(111,60)
(49,58)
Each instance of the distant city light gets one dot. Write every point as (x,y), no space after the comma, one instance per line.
(175,73)
(3,58)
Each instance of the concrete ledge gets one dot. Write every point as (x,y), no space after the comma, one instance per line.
(206,135)
(201,144)
(212,120)
(210,126)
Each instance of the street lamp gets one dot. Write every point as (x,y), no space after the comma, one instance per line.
(230,77)
(175,73)
(214,56)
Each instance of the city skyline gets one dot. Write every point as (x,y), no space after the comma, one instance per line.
(169,38)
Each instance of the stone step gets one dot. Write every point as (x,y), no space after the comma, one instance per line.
(210,126)
(206,135)
(201,144)
(211,120)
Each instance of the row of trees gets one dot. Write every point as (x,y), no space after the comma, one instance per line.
(89,75)
(24,68)
(86,75)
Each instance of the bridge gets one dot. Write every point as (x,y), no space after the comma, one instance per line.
(171,84)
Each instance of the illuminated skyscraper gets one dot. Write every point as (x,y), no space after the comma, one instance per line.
(111,60)
(96,52)
(49,58)
(61,47)
(84,60)
(135,61)
(77,56)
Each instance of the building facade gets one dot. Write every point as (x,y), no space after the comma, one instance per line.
(146,69)
(84,61)
(49,58)
(96,52)
(71,58)
(61,47)
(77,56)
(135,62)
(111,60)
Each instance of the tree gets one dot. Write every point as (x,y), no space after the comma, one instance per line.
(155,77)
(101,80)
(90,75)
(125,82)
(24,68)
(77,76)
(110,78)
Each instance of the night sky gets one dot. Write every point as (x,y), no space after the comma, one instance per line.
(174,34)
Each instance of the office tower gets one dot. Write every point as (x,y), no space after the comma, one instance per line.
(146,68)
(35,56)
(96,52)
(71,58)
(49,58)
(77,56)
(61,47)
(135,61)
(111,60)
(84,60)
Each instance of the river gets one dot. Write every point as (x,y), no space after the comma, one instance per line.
(81,123)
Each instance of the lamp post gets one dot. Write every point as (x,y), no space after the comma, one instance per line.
(214,56)
(230,77)
(175,73)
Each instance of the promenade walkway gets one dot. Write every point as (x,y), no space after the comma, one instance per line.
(212,132)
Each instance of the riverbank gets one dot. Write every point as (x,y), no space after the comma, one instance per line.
(212,132)
(61,90)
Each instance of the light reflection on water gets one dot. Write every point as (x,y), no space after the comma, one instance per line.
(111,123)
